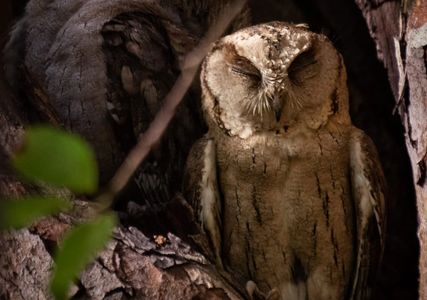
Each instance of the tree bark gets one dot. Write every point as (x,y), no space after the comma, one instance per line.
(132,266)
(135,264)
(400,33)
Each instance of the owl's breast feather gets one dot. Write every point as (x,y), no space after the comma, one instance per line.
(285,200)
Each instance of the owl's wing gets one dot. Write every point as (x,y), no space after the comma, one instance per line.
(368,191)
(202,192)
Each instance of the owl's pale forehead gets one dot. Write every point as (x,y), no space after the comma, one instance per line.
(271,45)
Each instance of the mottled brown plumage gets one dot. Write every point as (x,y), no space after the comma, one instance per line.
(289,192)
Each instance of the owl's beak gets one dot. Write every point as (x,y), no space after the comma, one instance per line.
(278,114)
(277,106)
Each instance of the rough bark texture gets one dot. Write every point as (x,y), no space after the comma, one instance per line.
(400,33)
(133,265)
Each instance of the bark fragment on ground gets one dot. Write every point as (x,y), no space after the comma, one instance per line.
(132,265)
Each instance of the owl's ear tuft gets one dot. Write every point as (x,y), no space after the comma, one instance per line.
(218,45)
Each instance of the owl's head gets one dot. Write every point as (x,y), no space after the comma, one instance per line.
(273,77)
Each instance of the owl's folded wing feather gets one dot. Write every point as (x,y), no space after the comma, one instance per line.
(368,192)
(201,191)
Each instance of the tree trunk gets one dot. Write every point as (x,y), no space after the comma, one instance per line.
(400,33)
(134,265)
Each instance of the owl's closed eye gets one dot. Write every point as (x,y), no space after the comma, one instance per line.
(304,67)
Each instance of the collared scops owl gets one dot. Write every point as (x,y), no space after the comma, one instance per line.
(289,192)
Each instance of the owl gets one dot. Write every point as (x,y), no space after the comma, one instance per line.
(289,193)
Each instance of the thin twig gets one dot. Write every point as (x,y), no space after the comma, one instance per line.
(172,100)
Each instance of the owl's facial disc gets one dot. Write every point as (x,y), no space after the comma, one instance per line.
(273,76)
(270,65)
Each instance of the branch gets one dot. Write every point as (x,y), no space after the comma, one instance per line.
(172,100)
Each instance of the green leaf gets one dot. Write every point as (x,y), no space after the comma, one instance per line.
(23,212)
(58,158)
(78,248)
